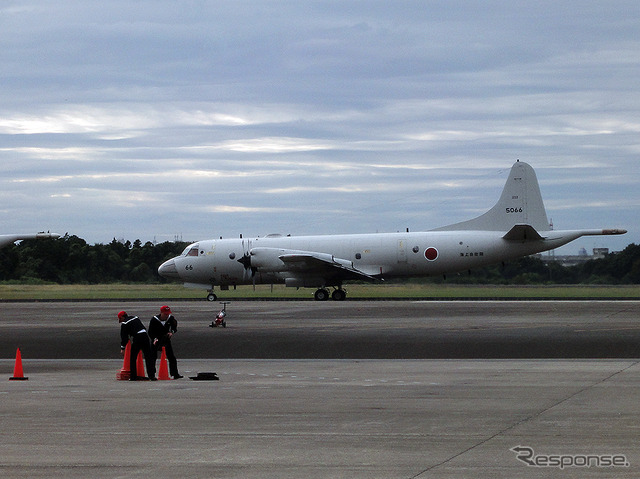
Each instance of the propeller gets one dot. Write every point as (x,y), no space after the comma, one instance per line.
(249,270)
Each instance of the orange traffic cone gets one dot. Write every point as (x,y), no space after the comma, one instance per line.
(163,372)
(125,373)
(17,370)
(140,366)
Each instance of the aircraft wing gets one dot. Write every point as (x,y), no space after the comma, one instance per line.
(324,265)
(305,264)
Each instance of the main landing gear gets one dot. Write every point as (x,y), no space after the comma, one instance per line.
(322,294)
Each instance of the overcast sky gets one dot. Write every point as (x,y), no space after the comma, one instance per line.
(153,120)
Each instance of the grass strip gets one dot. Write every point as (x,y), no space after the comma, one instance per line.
(49,292)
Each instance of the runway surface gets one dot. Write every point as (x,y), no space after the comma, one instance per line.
(321,416)
(345,330)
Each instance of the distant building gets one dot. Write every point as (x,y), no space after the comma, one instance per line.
(572,260)
(599,253)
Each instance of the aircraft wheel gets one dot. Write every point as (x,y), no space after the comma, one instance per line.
(211,297)
(321,295)
(339,295)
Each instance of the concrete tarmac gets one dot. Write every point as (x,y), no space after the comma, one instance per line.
(326,417)
(322,419)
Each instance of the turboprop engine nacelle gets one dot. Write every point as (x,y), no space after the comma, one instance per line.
(267,259)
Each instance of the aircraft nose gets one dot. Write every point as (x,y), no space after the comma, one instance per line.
(168,269)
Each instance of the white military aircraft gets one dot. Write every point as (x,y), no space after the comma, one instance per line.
(516,226)
(6,240)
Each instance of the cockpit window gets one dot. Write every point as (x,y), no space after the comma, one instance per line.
(191,250)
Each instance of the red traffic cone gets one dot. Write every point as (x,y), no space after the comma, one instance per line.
(17,370)
(140,366)
(163,372)
(125,373)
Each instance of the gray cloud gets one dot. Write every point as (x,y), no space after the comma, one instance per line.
(156,119)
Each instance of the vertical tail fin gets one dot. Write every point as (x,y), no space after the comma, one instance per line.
(520,203)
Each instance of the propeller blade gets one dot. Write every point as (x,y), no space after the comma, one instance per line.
(249,270)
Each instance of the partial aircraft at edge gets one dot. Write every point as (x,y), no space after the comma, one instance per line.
(516,226)
(6,240)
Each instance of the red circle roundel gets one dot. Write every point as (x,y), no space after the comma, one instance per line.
(431,253)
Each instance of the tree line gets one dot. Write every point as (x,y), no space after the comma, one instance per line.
(617,268)
(70,260)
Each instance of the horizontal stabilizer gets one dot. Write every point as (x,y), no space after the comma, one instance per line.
(523,233)
(614,231)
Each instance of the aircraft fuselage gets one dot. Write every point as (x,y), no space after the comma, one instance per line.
(382,255)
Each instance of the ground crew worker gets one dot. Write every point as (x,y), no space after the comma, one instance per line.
(162,327)
(132,328)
